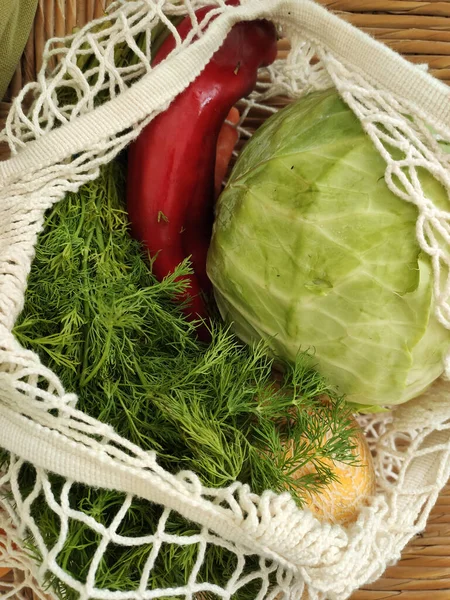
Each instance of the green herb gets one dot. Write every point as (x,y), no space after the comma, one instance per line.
(96,315)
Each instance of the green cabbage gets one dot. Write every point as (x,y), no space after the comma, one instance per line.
(312,251)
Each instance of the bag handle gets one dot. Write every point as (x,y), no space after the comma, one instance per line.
(156,90)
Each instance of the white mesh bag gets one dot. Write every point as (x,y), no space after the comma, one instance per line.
(280,550)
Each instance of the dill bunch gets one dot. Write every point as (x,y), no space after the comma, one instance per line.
(116,336)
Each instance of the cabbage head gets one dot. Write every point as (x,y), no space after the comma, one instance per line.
(312,252)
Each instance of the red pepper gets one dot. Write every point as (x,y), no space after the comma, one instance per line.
(170,195)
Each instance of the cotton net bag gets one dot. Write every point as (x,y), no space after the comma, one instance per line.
(55,149)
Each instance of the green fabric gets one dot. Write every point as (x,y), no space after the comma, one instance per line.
(16,20)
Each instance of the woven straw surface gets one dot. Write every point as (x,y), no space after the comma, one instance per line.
(419,30)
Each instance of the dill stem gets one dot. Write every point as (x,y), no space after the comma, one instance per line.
(107,345)
(99,236)
(131,422)
(139,373)
(81,220)
(86,305)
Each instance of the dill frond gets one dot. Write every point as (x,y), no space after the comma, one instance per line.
(116,336)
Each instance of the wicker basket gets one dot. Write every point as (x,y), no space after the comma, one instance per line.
(419,30)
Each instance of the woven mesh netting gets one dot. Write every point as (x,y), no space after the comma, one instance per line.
(268,547)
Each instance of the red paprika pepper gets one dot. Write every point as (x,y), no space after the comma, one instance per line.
(170,195)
